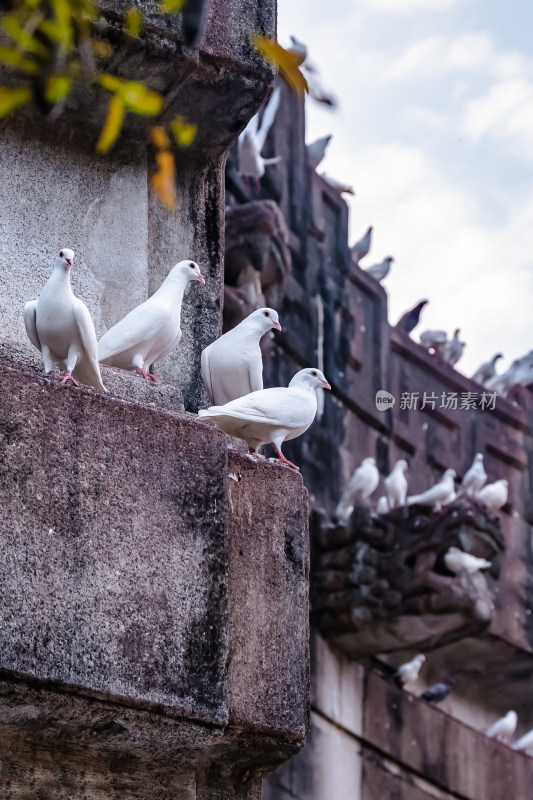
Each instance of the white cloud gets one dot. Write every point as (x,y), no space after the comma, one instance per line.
(442,251)
(408,6)
(505,112)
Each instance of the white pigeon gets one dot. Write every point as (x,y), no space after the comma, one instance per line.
(232,366)
(396,484)
(441,493)
(487,370)
(457,560)
(382,506)
(317,150)
(453,350)
(362,248)
(434,340)
(252,140)
(525,743)
(494,495)
(381,270)
(503,729)
(475,478)
(60,326)
(361,485)
(271,415)
(338,186)
(407,674)
(502,383)
(523,375)
(149,332)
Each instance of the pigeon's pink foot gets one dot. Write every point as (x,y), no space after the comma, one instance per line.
(146,374)
(69,379)
(282,457)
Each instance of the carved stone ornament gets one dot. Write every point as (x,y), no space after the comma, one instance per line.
(380,583)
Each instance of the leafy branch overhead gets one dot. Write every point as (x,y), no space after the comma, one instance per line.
(51,46)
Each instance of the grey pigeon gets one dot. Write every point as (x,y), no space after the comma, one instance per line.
(410,319)
(381,270)
(439,691)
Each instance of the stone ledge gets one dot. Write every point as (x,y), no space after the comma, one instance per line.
(154,607)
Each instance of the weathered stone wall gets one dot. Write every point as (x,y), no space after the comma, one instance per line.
(363,743)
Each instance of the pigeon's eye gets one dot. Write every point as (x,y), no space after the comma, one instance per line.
(61,254)
(266,313)
(313,373)
(191,266)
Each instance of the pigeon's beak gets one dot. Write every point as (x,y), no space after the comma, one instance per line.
(277,326)
(69,261)
(201,279)
(326,385)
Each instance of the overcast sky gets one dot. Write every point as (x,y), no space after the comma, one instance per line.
(435,133)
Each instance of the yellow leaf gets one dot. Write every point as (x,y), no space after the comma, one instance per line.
(286,62)
(22,37)
(171,6)
(134,22)
(184,132)
(164,180)
(110,82)
(57,87)
(160,138)
(14,58)
(112,125)
(12,98)
(101,49)
(139,99)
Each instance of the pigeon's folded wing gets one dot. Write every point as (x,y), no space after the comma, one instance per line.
(269,115)
(256,375)
(206,373)
(139,326)
(87,334)
(274,407)
(30,321)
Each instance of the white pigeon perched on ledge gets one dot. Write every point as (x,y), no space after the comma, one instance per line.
(381,270)
(317,150)
(494,495)
(486,371)
(361,485)
(232,366)
(457,560)
(382,506)
(149,332)
(525,743)
(453,350)
(475,477)
(252,140)
(362,248)
(396,484)
(271,415)
(60,326)
(407,674)
(338,186)
(434,340)
(441,493)
(503,729)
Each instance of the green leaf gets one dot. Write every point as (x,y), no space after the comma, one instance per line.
(112,125)
(184,132)
(134,22)
(57,87)
(12,98)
